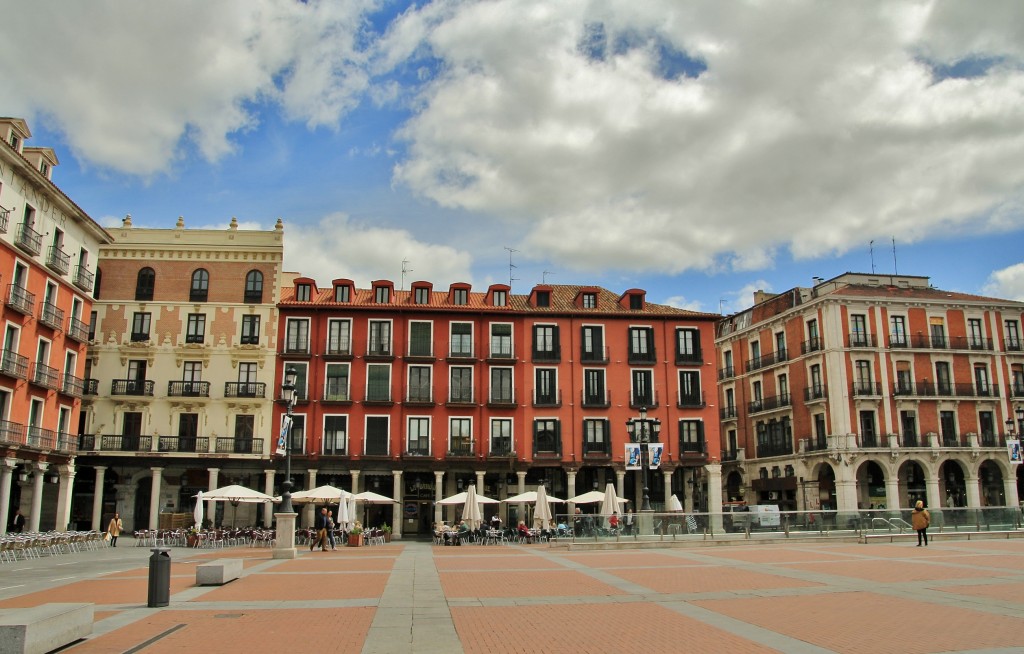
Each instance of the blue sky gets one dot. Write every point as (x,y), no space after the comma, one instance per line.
(698,150)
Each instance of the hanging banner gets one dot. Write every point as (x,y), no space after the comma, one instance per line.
(654,451)
(632,456)
(282,439)
(1013,449)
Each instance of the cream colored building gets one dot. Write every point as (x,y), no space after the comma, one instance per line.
(180,375)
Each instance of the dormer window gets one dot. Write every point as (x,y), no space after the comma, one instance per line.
(302,292)
(543,298)
(590,300)
(460,297)
(342,293)
(382,295)
(500,298)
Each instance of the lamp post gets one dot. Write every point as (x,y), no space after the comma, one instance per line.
(288,392)
(644,430)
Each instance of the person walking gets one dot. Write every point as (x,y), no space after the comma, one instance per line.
(114,529)
(920,519)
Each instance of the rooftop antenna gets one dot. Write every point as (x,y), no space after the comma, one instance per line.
(511,266)
(544,276)
(405,269)
(871,248)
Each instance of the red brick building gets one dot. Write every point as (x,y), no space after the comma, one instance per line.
(419,393)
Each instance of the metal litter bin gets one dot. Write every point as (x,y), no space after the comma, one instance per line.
(159,577)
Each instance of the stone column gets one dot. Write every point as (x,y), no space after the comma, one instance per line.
(268,488)
(309,511)
(64,494)
(396,509)
(714,476)
(892,492)
(438,494)
(974,491)
(97,499)
(211,505)
(154,499)
(6,477)
(38,478)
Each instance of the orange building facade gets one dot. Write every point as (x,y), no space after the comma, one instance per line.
(419,393)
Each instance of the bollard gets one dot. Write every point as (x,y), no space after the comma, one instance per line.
(159,578)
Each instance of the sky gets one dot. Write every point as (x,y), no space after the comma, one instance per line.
(700,150)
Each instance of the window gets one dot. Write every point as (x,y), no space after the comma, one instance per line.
(335,428)
(501,436)
(460,296)
(296,336)
(596,438)
(418,436)
(339,334)
(545,390)
(545,343)
(336,382)
(421,295)
(342,293)
(897,331)
(691,436)
(590,300)
(144,284)
(380,338)
(643,389)
(688,346)
(140,326)
(641,345)
(461,391)
(461,340)
(196,329)
(377,437)
(460,436)
(500,298)
(975,334)
(868,432)
(421,337)
(594,388)
(1011,329)
(378,382)
(250,330)
(420,388)
(501,341)
(689,389)
(543,299)
(592,343)
(501,386)
(858,330)
(200,288)
(303,292)
(381,294)
(546,437)
(244,428)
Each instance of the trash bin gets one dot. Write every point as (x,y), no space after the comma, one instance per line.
(159,577)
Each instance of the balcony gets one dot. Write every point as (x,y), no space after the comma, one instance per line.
(866,389)
(727,372)
(134,387)
(184,444)
(814,393)
(58,260)
(461,450)
(644,400)
(44,376)
(13,364)
(44,439)
(767,360)
(860,340)
(728,413)
(20,300)
(72,386)
(460,397)
(126,443)
(77,330)
(83,278)
(51,316)
(501,400)
(239,446)
(188,389)
(245,389)
(418,396)
(554,355)
(12,432)
(594,357)
(770,403)
(595,400)
(691,401)
(812,345)
(550,399)
(28,239)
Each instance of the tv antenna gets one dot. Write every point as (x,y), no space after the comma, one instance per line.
(405,269)
(511,266)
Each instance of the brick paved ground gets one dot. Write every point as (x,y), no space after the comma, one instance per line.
(801,597)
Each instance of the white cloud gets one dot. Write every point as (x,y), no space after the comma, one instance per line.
(1007,283)
(339,247)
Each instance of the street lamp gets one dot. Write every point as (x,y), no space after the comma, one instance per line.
(288,393)
(644,431)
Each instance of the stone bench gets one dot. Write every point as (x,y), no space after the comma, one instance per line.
(219,572)
(44,628)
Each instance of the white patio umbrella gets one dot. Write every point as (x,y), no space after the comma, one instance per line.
(542,512)
(197,513)
(471,513)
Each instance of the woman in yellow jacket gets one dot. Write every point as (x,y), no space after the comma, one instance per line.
(920,519)
(114,529)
